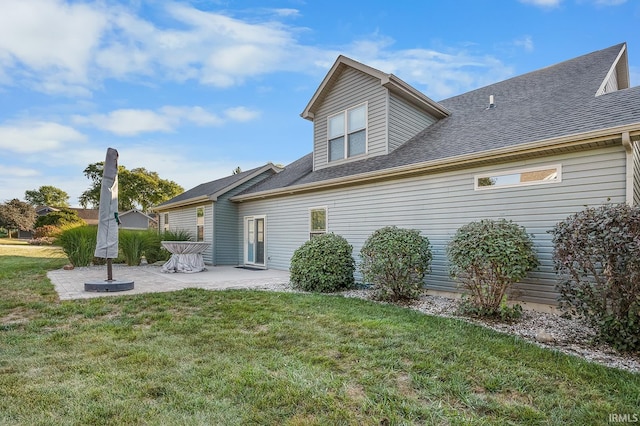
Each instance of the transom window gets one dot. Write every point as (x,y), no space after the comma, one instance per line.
(522,177)
(200,224)
(317,221)
(349,125)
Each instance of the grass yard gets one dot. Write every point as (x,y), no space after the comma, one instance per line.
(198,357)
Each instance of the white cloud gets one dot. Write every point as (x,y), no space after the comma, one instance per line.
(130,122)
(437,74)
(241,114)
(525,42)
(543,3)
(71,48)
(18,172)
(36,137)
(50,38)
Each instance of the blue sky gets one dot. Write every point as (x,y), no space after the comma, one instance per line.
(193,89)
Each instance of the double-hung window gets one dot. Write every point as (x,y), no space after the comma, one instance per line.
(347,133)
(200,224)
(317,221)
(166,222)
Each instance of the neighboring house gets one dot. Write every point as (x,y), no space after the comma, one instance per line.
(135,219)
(207,214)
(90,216)
(534,149)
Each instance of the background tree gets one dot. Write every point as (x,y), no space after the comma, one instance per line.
(47,195)
(16,214)
(137,188)
(60,218)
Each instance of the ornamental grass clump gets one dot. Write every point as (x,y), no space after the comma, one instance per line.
(487,257)
(323,264)
(132,245)
(79,244)
(597,259)
(395,262)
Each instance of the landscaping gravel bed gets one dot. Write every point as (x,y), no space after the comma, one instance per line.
(551,331)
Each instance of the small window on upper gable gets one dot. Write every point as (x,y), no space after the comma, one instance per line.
(347,133)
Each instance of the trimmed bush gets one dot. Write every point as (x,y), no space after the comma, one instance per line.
(323,264)
(487,257)
(597,258)
(79,244)
(395,262)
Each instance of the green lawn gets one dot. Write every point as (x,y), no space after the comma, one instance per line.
(248,357)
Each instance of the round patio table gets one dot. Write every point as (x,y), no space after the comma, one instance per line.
(186,256)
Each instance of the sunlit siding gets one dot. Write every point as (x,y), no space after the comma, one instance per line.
(352,88)
(439,204)
(134,220)
(405,121)
(185,219)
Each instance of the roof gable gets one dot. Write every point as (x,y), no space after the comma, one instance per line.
(210,191)
(389,81)
(544,108)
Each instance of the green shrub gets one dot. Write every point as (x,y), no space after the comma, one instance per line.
(597,258)
(65,216)
(177,235)
(323,264)
(132,245)
(395,262)
(487,257)
(79,244)
(46,231)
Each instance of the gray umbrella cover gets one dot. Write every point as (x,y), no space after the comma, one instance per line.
(107,242)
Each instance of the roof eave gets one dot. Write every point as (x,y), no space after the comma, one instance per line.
(389,81)
(214,197)
(562,141)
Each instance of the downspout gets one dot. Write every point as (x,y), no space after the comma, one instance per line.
(628,147)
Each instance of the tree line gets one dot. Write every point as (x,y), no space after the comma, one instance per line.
(138,188)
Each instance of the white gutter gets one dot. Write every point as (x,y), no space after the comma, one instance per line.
(628,147)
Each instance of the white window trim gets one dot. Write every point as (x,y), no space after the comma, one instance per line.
(345,134)
(326,220)
(477,177)
(204,213)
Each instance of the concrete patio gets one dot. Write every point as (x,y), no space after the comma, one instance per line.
(148,278)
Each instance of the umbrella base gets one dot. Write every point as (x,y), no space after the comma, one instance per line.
(108,285)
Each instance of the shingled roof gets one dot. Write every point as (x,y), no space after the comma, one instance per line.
(209,191)
(551,103)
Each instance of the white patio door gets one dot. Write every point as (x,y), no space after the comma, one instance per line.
(254,237)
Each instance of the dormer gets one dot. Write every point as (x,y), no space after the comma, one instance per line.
(618,76)
(360,112)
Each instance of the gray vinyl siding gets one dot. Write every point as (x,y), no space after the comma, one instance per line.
(352,88)
(612,83)
(226,225)
(636,173)
(185,219)
(134,220)
(405,121)
(439,204)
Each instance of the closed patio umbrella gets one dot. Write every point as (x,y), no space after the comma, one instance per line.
(107,241)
